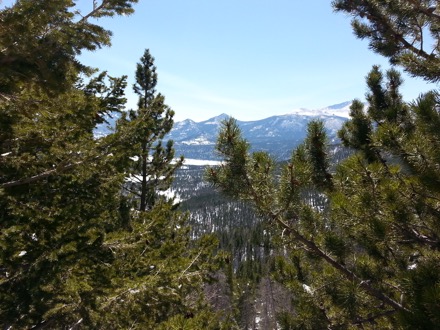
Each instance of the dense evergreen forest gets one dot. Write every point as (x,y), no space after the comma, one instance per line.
(336,237)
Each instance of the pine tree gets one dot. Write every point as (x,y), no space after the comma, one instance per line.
(57,182)
(153,168)
(368,256)
(57,192)
(42,48)
(158,272)
(73,253)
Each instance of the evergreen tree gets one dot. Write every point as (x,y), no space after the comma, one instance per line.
(153,168)
(368,256)
(42,48)
(158,272)
(73,253)
(57,182)
(57,197)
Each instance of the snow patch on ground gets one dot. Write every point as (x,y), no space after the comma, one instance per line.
(171,194)
(307,288)
(342,111)
(200,141)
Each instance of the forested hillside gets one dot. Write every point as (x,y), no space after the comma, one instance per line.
(343,234)
(246,286)
(276,134)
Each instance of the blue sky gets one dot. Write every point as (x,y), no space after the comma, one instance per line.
(248,59)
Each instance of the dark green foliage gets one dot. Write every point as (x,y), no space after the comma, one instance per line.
(59,187)
(423,287)
(234,148)
(39,48)
(316,143)
(356,133)
(146,80)
(143,130)
(360,259)
(73,252)
(158,271)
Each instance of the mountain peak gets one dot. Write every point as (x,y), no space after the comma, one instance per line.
(216,120)
(222,116)
(337,110)
(339,105)
(276,134)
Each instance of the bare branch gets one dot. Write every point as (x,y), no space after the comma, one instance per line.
(95,10)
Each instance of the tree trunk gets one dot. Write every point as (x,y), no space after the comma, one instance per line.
(143,205)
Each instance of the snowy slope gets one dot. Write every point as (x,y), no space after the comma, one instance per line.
(277,134)
(337,110)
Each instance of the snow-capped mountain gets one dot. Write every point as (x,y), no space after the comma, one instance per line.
(338,110)
(277,134)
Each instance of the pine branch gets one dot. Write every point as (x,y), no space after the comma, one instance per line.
(59,169)
(371,319)
(430,12)
(365,285)
(192,263)
(131,191)
(7,97)
(384,22)
(44,324)
(39,176)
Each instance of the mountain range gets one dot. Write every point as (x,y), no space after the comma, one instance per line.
(277,135)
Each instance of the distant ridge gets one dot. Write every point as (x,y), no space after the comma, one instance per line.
(277,135)
(339,110)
